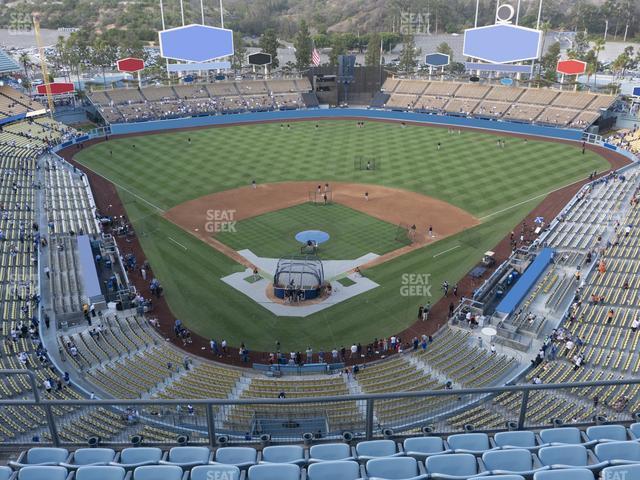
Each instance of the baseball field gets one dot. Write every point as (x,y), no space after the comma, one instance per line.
(471,190)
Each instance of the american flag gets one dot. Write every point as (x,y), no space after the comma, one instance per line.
(315,57)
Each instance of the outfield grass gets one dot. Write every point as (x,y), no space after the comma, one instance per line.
(470,171)
(352,233)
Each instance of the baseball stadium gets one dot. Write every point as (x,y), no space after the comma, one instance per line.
(346,270)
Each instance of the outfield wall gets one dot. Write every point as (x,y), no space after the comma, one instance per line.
(337,113)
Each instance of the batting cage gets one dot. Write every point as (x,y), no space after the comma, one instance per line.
(298,278)
(321,197)
(405,234)
(367,163)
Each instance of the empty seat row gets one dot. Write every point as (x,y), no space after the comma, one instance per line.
(447,467)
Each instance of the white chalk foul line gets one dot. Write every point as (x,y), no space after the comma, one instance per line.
(177,243)
(446,251)
(482,219)
(84,167)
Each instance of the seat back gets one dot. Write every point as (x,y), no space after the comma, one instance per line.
(469,441)
(513,460)
(523,438)
(564,474)
(621,472)
(282,453)
(334,470)
(189,454)
(423,445)
(211,472)
(42,473)
(274,471)
(566,435)
(85,456)
(376,448)
(330,451)
(236,455)
(158,472)
(392,468)
(5,473)
(574,455)
(618,451)
(459,464)
(500,477)
(635,429)
(140,455)
(38,455)
(102,472)
(607,432)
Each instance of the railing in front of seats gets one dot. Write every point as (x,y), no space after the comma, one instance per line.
(367,416)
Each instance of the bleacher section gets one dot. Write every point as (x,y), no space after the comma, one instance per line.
(544,106)
(132,104)
(14,103)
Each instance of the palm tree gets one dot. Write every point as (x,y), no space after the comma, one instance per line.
(26,63)
(597,48)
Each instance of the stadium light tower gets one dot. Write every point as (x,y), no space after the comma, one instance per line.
(43,63)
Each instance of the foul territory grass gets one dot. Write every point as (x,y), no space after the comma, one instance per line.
(352,233)
(497,185)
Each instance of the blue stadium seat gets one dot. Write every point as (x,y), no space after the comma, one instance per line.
(395,468)
(634,430)
(100,472)
(188,457)
(377,448)
(564,436)
(330,452)
(499,477)
(241,457)
(621,472)
(90,456)
(423,447)
(334,470)
(569,456)
(41,456)
(521,439)
(610,433)
(618,453)
(5,473)
(274,471)
(42,473)
(211,472)
(514,460)
(565,474)
(476,443)
(159,472)
(293,454)
(131,458)
(455,466)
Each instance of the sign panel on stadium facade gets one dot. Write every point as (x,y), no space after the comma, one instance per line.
(196,43)
(496,67)
(259,58)
(130,65)
(436,59)
(57,88)
(571,67)
(636,91)
(506,81)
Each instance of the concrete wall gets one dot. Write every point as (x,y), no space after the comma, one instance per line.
(283,116)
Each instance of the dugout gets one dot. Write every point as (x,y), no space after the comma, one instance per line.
(298,277)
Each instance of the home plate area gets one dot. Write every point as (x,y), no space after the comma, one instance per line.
(339,280)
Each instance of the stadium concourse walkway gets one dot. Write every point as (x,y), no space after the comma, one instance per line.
(109,203)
